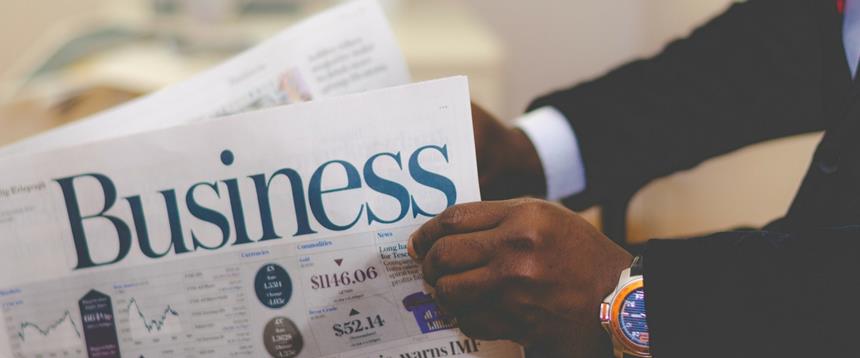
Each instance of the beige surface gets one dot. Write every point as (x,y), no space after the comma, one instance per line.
(747,188)
(23,118)
(555,43)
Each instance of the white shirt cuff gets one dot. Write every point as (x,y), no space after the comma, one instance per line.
(558,149)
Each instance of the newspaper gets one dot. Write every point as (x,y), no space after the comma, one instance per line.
(348,49)
(275,233)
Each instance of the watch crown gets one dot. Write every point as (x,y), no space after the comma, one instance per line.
(604,312)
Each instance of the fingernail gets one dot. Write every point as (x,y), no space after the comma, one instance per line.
(410,248)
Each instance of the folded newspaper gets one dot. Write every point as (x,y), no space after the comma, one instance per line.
(280,232)
(276,233)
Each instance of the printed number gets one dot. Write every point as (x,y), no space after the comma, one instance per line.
(358,325)
(343,278)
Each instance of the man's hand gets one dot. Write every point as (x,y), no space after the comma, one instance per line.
(508,165)
(525,270)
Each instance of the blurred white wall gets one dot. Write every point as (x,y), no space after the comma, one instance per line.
(556,43)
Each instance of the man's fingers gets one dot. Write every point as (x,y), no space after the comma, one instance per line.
(458,253)
(487,324)
(474,297)
(471,296)
(458,219)
(465,292)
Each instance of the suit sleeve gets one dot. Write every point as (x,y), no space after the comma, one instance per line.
(754,294)
(751,74)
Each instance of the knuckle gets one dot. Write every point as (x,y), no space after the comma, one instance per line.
(543,210)
(522,244)
(527,202)
(451,218)
(520,203)
(526,273)
(533,225)
(529,210)
(445,291)
(474,245)
(526,239)
(432,256)
(442,249)
(428,269)
(438,254)
(534,206)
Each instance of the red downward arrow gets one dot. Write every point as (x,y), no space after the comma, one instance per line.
(338,261)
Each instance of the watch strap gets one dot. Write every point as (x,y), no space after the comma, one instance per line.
(637,268)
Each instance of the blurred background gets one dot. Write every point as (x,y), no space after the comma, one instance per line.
(61,60)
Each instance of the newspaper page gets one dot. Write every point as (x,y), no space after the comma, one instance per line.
(275,233)
(348,49)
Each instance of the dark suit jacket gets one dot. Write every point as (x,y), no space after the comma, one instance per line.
(764,69)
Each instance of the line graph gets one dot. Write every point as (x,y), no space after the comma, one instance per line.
(166,321)
(153,318)
(60,333)
(30,326)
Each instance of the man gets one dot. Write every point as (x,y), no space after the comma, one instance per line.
(534,272)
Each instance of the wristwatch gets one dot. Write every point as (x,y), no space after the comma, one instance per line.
(622,314)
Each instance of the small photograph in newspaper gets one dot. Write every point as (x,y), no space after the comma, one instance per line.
(276,233)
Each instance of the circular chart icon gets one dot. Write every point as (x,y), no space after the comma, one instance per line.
(273,286)
(282,338)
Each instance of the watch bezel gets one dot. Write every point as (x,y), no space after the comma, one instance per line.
(630,346)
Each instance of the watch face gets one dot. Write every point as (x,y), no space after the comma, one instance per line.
(632,317)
